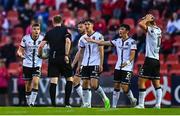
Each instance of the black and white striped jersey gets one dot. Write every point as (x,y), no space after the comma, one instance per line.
(123,49)
(91,55)
(153,42)
(31,51)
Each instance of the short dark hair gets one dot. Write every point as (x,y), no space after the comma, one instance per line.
(35,25)
(127,27)
(89,20)
(57,19)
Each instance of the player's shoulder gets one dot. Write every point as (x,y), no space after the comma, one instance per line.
(98,33)
(41,36)
(131,40)
(27,36)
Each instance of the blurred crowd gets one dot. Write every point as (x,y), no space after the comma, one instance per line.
(16,16)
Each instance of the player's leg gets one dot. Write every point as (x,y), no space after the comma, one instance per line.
(35,83)
(78,87)
(142,92)
(157,86)
(128,92)
(28,89)
(95,85)
(94,74)
(34,92)
(145,73)
(27,72)
(125,85)
(116,94)
(86,92)
(156,83)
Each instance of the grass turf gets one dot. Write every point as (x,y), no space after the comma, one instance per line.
(86,111)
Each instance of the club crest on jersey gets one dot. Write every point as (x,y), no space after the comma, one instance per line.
(93,38)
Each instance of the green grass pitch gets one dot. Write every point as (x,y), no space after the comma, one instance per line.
(86,111)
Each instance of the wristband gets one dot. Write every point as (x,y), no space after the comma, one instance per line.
(128,62)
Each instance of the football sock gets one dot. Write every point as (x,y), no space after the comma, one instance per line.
(28,98)
(33,96)
(90,96)
(116,94)
(68,89)
(100,91)
(158,96)
(79,91)
(142,95)
(130,95)
(52,91)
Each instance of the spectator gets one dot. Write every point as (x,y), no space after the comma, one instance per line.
(8,51)
(167,45)
(173,26)
(4,79)
(140,37)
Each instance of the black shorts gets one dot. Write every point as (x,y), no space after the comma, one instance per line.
(150,69)
(90,72)
(57,67)
(29,73)
(122,76)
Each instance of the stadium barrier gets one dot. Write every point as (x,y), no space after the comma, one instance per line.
(170,86)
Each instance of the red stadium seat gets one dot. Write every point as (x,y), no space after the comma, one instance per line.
(172,59)
(53,13)
(161,59)
(177,41)
(164,69)
(130,22)
(175,69)
(112,59)
(113,22)
(140,59)
(95,13)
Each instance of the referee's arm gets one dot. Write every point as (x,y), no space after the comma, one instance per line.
(67,46)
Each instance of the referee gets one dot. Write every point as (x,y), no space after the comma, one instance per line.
(59,41)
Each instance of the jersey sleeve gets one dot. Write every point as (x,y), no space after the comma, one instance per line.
(150,30)
(67,34)
(81,44)
(133,45)
(113,42)
(23,42)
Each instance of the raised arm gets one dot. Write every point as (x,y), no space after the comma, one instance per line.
(145,20)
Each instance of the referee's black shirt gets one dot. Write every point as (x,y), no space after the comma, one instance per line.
(56,39)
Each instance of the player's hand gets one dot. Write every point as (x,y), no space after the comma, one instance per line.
(66,59)
(149,17)
(20,54)
(78,70)
(123,65)
(100,68)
